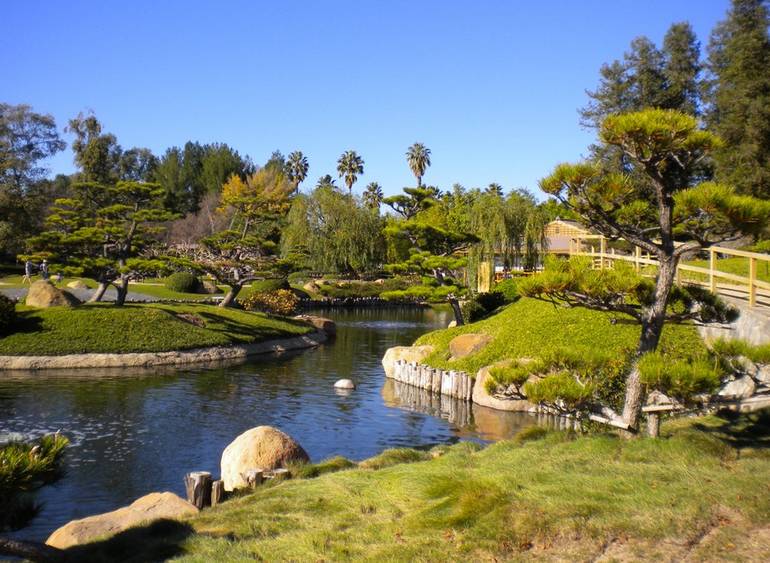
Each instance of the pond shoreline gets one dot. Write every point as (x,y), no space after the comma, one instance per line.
(174,357)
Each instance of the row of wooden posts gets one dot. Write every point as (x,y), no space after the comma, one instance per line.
(202,491)
(604,259)
(452,383)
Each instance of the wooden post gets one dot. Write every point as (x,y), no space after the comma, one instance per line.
(653,425)
(281,474)
(637,257)
(752,281)
(217,492)
(712,267)
(602,251)
(253,477)
(198,487)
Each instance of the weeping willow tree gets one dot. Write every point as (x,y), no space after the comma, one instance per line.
(329,231)
(510,227)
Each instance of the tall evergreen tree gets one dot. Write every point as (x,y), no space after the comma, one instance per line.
(296,168)
(681,68)
(418,158)
(373,195)
(738,94)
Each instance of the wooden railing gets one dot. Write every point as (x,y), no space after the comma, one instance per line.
(750,288)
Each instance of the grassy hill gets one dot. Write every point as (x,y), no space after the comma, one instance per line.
(105,328)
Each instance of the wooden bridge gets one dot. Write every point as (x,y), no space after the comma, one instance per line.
(750,288)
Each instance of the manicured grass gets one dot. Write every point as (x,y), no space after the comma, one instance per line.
(531,328)
(700,490)
(106,328)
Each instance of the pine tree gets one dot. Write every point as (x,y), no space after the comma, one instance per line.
(738,94)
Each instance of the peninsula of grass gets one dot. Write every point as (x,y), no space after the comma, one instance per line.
(155,327)
(531,328)
(700,492)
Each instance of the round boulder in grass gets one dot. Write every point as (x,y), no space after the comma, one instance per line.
(43,294)
(344,384)
(467,344)
(263,447)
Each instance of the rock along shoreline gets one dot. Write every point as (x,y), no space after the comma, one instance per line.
(149,359)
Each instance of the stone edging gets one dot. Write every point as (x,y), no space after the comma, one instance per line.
(149,359)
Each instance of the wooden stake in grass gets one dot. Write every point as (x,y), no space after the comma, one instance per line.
(217,492)
(198,487)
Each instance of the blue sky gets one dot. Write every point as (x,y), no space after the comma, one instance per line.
(491,87)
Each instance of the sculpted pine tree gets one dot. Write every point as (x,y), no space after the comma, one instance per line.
(668,216)
(101,232)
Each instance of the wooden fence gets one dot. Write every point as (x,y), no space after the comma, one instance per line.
(729,284)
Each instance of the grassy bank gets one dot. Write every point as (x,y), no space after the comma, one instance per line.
(700,491)
(530,328)
(104,328)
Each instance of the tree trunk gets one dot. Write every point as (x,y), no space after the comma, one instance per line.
(198,488)
(99,293)
(232,293)
(32,551)
(653,318)
(122,288)
(457,310)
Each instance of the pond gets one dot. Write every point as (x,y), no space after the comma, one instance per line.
(138,431)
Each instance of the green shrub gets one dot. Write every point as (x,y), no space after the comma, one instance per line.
(559,388)
(679,378)
(509,289)
(270,284)
(299,277)
(7,314)
(279,302)
(482,305)
(183,282)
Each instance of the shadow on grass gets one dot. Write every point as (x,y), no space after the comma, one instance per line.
(157,541)
(25,322)
(741,430)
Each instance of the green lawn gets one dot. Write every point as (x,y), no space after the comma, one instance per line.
(139,328)
(701,490)
(530,328)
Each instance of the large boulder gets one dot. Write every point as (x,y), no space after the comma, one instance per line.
(467,344)
(77,284)
(407,353)
(146,509)
(321,323)
(515,402)
(263,447)
(311,287)
(210,287)
(43,294)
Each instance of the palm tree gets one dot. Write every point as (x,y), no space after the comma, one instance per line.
(373,195)
(325,181)
(296,168)
(349,166)
(418,158)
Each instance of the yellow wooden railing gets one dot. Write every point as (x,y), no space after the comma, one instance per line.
(754,290)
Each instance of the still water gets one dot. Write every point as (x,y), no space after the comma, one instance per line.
(137,431)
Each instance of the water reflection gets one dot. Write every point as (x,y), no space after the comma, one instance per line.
(134,431)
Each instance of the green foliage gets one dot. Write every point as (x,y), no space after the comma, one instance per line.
(278,302)
(328,231)
(102,328)
(349,166)
(680,379)
(25,467)
(561,389)
(7,315)
(272,284)
(356,288)
(738,96)
(509,289)
(724,348)
(183,282)
(516,373)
